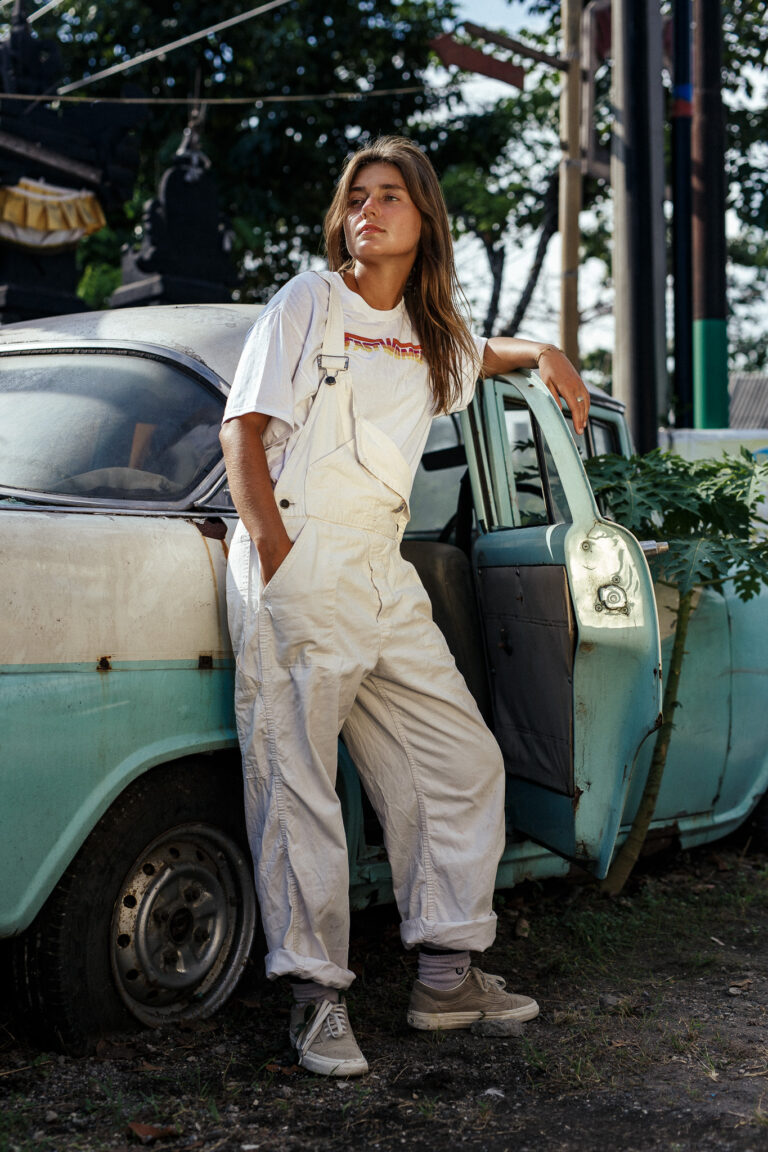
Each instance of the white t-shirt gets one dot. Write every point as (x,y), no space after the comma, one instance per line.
(278,372)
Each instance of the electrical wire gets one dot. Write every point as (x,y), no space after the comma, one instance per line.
(42,11)
(37,13)
(125,64)
(62,96)
(195,100)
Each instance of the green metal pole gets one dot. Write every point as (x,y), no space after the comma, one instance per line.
(710,339)
(710,373)
(681,116)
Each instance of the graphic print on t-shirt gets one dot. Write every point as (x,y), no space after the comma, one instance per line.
(389,344)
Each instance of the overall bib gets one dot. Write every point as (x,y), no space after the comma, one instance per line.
(341,640)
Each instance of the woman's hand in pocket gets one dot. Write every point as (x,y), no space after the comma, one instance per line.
(272,553)
(252,489)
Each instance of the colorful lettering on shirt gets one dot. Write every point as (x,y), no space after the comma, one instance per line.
(390,345)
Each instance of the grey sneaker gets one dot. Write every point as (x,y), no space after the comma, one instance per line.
(478,997)
(324,1041)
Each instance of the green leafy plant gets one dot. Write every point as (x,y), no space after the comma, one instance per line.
(706,511)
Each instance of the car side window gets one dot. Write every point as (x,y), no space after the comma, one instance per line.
(436,485)
(105,425)
(220,499)
(605,438)
(535,489)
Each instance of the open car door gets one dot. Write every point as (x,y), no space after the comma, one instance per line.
(570,624)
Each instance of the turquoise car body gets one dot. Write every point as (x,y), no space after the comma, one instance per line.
(115,658)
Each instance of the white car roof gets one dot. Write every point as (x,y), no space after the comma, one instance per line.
(211,333)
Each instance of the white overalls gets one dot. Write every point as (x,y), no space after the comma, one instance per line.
(341,639)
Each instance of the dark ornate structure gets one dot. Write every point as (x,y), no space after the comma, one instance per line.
(184,255)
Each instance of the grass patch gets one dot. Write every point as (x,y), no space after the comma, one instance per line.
(608,972)
(585,932)
(16,1122)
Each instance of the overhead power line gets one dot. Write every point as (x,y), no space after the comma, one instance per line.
(42,11)
(291,98)
(125,64)
(37,13)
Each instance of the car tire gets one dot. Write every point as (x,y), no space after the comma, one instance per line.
(758,825)
(153,921)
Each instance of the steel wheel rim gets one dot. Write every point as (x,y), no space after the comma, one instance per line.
(183,925)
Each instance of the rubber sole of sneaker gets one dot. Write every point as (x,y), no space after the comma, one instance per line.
(445,1021)
(324,1066)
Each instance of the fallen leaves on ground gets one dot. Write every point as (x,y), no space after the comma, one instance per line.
(149,1133)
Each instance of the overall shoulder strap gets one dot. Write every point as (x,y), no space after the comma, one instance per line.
(332,358)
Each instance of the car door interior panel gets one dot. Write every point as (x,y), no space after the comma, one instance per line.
(531,638)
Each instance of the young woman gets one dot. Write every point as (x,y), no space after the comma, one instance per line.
(332,630)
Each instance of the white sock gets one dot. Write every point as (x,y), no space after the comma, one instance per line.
(443,970)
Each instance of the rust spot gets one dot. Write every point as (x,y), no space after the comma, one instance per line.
(205,661)
(577,797)
(103,664)
(587,646)
(214,527)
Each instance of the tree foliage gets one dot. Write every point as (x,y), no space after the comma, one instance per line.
(534,151)
(706,511)
(499,165)
(277,158)
(486,179)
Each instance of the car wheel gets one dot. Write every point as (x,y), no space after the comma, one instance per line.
(154,919)
(758,825)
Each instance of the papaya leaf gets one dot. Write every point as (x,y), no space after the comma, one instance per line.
(706,510)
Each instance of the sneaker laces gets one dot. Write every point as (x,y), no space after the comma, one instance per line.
(489,983)
(332,1018)
(336,1023)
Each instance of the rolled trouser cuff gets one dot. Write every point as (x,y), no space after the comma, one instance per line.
(465,936)
(283,962)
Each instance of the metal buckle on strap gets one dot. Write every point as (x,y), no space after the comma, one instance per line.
(332,365)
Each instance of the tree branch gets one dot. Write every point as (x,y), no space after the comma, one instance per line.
(548,229)
(495,253)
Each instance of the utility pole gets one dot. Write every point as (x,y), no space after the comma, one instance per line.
(710,339)
(570,179)
(639,253)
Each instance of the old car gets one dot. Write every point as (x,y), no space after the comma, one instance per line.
(127,891)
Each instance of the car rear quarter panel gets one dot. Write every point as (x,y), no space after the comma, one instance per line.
(717,765)
(114,657)
(747,776)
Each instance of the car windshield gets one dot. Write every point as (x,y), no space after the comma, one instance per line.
(105,425)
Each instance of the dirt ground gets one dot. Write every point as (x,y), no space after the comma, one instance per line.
(653,1034)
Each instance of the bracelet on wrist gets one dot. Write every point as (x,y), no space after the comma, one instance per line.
(547,348)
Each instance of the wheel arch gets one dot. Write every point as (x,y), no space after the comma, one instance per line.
(44,873)
(174,828)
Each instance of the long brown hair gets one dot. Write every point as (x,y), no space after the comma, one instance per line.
(432,294)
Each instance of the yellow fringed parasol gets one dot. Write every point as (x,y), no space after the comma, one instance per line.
(39,215)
